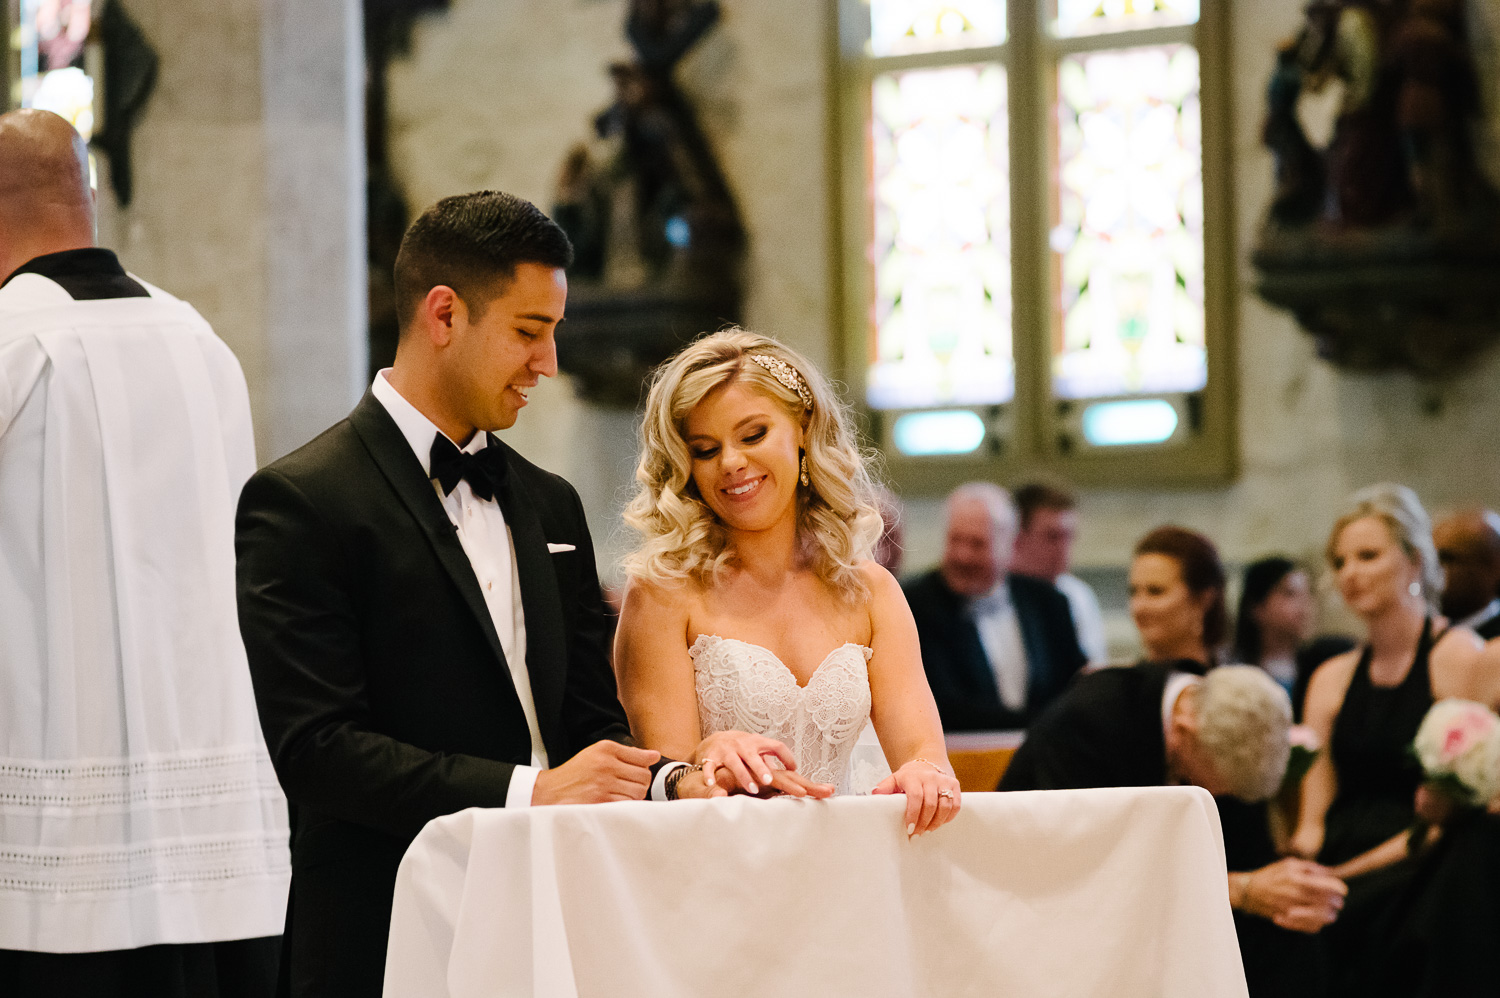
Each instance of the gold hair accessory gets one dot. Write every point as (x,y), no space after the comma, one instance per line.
(787,375)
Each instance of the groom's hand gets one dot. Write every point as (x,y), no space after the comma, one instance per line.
(605,771)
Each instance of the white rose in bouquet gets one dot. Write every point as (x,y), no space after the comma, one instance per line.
(1458,745)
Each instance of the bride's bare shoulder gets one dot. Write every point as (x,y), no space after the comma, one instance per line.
(645,598)
(883,586)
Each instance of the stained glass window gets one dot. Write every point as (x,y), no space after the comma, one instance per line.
(898,27)
(1087,17)
(942,239)
(52,36)
(1128,237)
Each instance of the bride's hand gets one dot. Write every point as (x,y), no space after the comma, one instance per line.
(783,782)
(738,760)
(932,795)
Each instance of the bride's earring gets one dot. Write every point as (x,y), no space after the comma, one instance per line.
(803,477)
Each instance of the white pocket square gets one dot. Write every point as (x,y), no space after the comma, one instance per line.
(560,548)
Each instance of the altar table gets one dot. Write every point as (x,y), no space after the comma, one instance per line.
(1075,893)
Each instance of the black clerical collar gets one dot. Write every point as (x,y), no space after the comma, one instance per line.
(85,274)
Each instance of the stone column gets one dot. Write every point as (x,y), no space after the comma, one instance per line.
(249,199)
(312,69)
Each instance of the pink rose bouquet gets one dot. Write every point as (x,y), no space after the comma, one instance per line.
(1305,747)
(1458,745)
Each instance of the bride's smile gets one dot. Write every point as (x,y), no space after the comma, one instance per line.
(745,452)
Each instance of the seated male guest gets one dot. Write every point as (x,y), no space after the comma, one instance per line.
(997,647)
(1044,550)
(1468,547)
(420,603)
(1161,723)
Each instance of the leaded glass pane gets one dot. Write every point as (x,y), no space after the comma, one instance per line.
(52,35)
(1128,237)
(1090,17)
(942,239)
(901,26)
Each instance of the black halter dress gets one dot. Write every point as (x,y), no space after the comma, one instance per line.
(1425,927)
(1371,749)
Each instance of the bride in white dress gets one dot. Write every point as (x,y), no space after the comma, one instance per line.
(757,639)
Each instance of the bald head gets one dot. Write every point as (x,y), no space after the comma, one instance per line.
(1468,546)
(46,204)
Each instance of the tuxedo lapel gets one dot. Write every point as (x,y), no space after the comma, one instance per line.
(541,603)
(393,455)
(1034,643)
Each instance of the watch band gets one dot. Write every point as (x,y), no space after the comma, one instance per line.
(669,785)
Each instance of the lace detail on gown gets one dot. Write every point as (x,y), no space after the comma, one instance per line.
(744,687)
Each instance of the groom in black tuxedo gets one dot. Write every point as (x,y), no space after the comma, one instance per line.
(420,603)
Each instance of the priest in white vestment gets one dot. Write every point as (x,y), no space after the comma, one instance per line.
(138,807)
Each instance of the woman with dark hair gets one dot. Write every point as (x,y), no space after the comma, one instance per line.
(1274,617)
(1177,596)
(1276,614)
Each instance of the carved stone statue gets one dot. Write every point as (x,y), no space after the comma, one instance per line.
(657,237)
(1385,243)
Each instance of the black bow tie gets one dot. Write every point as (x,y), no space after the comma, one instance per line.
(483,470)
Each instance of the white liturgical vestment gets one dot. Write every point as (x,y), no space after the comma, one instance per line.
(137,802)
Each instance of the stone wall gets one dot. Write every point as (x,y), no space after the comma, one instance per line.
(249,196)
(495,92)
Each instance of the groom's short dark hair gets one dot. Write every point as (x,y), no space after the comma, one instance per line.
(472,244)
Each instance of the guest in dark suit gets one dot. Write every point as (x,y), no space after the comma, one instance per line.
(1172,720)
(419,603)
(1468,546)
(997,647)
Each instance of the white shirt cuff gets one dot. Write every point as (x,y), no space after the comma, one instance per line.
(522,783)
(659,785)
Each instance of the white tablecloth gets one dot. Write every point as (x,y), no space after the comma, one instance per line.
(1068,893)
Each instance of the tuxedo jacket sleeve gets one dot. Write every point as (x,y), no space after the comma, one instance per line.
(1053,654)
(382,688)
(1105,731)
(963,685)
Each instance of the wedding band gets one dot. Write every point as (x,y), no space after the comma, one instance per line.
(946,793)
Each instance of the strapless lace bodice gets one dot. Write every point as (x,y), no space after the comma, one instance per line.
(744,687)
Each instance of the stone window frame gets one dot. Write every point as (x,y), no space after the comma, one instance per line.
(1033,419)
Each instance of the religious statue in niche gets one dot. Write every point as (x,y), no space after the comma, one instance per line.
(657,237)
(1386,243)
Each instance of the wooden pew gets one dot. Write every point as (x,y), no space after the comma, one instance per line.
(979,757)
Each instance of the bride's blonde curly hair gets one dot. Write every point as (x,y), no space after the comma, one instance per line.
(838,518)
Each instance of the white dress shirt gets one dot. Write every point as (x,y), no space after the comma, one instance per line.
(994,616)
(1088,619)
(1176,683)
(486,539)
